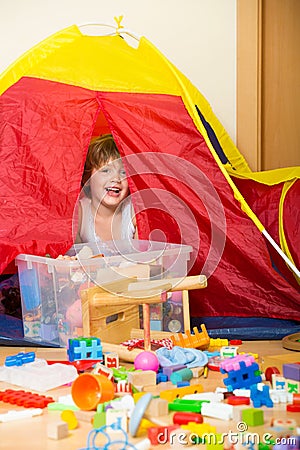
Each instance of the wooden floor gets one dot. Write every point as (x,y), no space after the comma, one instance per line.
(31,434)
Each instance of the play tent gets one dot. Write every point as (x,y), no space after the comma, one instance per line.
(188,181)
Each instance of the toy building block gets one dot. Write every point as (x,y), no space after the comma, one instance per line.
(217,410)
(57,430)
(171,394)
(197,340)
(17,415)
(183,418)
(217,343)
(123,387)
(280,396)
(293,387)
(255,355)
(197,371)
(260,397)
(278,382)
(181,375)
(240,374)
(140,379)
(84,416)
(25,399)
(230,364)
(160,435)
(111,360)
(199,429)
(228,351)
(235,400)
(19,359)
(180,404)
(99,419)
(168,370)
(161,378)
(293,408)
(242,392)
(85,348)
(214,442)
(208,396)
(253,417)
(157,407)
(284,427)
(103,370)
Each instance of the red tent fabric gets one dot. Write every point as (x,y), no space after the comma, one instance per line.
(174,179)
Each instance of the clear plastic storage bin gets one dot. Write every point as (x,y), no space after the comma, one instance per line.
(50,288)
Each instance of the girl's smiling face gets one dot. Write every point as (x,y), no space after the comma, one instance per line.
(109,185)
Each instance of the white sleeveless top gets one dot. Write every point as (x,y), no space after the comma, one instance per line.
(87,232)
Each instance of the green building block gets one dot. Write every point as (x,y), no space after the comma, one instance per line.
(253,417)
(213,443)
(99,419)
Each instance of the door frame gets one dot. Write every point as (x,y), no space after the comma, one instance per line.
(249,77)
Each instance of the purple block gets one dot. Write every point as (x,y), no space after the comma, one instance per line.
(291,371)
(168,370)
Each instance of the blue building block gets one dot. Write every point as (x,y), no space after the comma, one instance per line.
(242,378)
(161,378)
(260,397)
(85,348)
(183,384)
(19,359)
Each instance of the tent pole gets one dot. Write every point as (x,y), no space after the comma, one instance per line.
(282,254)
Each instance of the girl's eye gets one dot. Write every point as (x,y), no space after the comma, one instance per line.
(122,173)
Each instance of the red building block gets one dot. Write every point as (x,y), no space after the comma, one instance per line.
(25,399)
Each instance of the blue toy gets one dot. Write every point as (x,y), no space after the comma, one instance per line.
(110,443)
(260,397)
(85,348)
(19,359)
(245,377)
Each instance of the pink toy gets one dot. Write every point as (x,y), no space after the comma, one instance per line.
(146,361)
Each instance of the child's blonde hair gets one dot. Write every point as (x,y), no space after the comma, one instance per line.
(101,150)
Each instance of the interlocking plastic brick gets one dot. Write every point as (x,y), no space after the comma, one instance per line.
(85,348)
(19,359)
(25,399)
(261,397)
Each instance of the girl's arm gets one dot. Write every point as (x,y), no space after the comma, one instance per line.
(78,238)
(135,236)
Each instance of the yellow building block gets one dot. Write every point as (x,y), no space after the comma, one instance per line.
(171,394)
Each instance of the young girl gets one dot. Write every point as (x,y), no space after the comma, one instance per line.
(105,212)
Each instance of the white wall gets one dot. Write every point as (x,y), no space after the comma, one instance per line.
(198,36)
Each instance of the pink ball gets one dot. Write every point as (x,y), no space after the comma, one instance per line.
(146,361)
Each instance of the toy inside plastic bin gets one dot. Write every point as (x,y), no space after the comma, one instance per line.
(50,288)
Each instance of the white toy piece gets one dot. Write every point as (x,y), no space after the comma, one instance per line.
(17,415)
(38,375)
(217,410)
